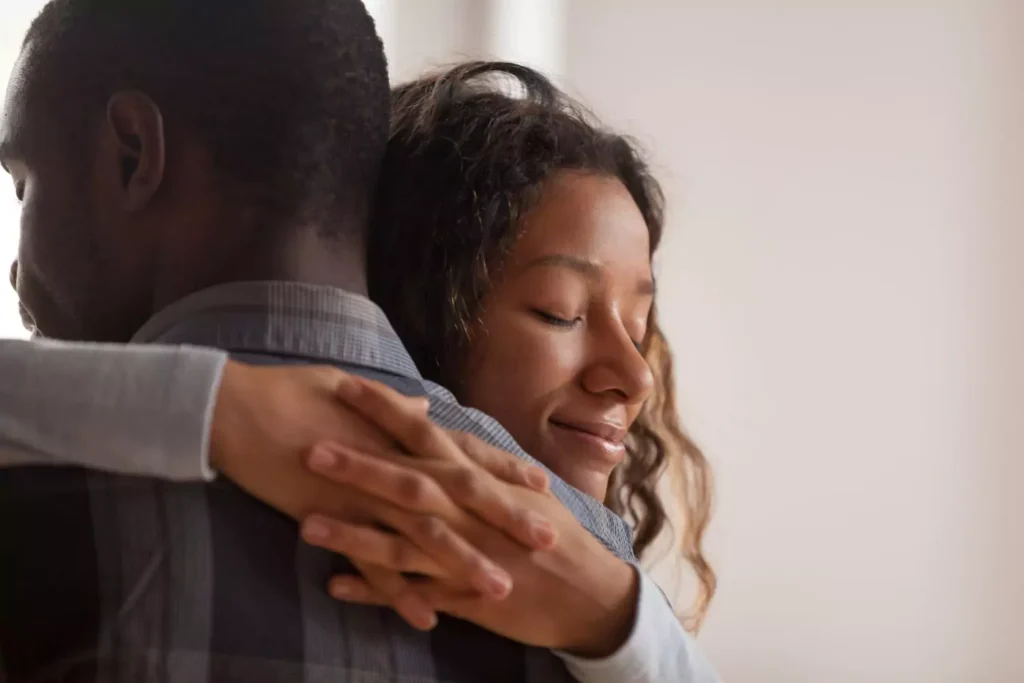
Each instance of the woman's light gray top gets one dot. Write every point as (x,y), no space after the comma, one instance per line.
(142,410)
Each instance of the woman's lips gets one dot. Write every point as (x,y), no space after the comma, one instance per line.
(604,439)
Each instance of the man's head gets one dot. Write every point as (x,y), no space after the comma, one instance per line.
(161,146)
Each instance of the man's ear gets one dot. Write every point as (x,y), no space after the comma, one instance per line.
(138,128)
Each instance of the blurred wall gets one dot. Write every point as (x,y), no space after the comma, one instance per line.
(836,289)
(842,284)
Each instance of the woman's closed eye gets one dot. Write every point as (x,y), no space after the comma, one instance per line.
(569,323)
(556,320)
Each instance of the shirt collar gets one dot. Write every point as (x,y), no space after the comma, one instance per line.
(287,319)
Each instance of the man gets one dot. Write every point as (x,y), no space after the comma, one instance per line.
(160,149)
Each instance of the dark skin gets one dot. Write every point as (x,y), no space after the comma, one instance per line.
(96,232)
(578,596)
(554,355)
(112,236)
(108,240)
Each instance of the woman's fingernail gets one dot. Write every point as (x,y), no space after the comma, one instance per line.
(417,611)
(341,590)
(537,478)
(321,459)
(315,530)
(348,386)
(499,583)
(543,533)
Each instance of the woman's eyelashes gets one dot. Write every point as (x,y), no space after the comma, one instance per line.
(556,320)
(569,323)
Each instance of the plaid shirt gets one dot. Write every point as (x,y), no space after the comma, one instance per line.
(113,578)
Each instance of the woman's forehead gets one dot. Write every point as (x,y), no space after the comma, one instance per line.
(587,217)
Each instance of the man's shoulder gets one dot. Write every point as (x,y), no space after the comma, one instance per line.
(446,411)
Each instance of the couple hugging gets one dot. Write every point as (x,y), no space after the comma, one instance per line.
(339,382)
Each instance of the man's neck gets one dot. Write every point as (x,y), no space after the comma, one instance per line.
(314,260)
(305,257)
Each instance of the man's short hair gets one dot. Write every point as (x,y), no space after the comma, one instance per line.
(290,96)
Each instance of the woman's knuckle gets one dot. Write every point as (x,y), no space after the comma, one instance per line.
(432,529)
(400,555)
(421,431)
(413,488)
(512,470)
(466,484)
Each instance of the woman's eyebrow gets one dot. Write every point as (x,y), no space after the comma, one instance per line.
(589,269)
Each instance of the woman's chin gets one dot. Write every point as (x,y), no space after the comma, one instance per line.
(579,468)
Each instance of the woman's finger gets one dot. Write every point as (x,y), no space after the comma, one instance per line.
(381,475)
(399,416)
(396,592)
(502,464)
(471,567)
(357,590)
(424,545)
(473,488)
(434,487)
(439,597)
(370,546)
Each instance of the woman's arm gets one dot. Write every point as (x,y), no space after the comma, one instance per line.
(658,649)
(175,413)
(142,410)
(606,619)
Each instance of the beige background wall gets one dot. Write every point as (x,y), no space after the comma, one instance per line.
(843,288)
(842,285)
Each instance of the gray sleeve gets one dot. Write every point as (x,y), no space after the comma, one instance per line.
(142,410)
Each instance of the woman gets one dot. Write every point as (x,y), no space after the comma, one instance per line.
(525,236)
(567,218)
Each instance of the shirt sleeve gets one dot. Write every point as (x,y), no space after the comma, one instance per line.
(139,410)
(658,650)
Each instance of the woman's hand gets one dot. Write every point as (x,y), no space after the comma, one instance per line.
(268,418)
(576,596)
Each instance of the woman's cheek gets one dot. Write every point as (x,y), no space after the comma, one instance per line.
(546,355)
(519,361)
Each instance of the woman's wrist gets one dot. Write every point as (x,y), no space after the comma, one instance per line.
(605,625)
(224,423)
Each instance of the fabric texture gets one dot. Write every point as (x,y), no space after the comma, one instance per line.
(108,577)
(141,410)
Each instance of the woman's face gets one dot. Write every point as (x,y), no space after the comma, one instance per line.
(555,356)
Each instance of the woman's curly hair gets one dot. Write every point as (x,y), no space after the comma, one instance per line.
(466,160)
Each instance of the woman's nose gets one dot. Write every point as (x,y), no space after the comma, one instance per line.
(621,369)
